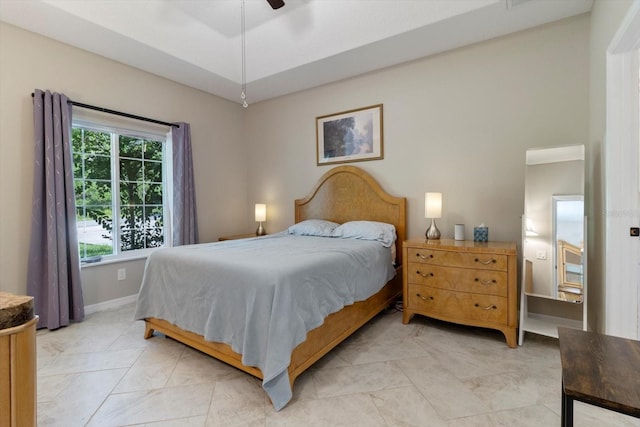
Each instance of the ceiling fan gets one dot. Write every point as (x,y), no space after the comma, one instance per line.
(276,4)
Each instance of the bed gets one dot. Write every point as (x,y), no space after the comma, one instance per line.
(341,195)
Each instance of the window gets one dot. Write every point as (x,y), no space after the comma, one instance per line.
(120,189)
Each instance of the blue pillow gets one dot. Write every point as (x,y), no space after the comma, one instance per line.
(367,230)
(313,227)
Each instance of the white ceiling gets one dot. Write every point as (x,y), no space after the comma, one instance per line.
(305,44)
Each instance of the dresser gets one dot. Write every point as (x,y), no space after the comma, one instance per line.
(465,282)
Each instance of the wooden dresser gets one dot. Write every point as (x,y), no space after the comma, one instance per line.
(466,282)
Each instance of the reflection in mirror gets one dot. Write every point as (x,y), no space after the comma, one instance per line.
(553,223)
(568,217)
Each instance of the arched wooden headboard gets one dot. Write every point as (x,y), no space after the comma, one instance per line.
(348,193)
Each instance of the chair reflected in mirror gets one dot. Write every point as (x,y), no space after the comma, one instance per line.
(570,272)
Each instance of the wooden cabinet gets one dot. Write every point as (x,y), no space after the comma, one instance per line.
(462,281)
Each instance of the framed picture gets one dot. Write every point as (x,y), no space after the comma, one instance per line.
(350,136)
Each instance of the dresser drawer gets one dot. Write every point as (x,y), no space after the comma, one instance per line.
(457,305)
(489,282)
(458,259)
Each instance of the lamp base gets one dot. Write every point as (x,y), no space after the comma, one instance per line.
(432,232)
(260,231)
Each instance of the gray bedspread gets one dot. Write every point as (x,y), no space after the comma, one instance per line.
(261,296)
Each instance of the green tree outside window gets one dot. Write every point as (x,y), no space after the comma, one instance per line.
(109,168)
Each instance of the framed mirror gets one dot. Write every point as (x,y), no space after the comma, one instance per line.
(568,238)
(553,224)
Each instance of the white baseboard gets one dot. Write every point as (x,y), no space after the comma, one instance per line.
(114,303)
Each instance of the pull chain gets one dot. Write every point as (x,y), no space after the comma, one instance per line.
(243,94)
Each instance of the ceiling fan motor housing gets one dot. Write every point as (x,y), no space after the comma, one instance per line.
(276,4)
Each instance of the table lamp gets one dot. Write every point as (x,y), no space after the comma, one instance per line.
(261,216)
(433,210)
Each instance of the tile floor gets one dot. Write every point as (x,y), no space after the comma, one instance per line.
(101,372)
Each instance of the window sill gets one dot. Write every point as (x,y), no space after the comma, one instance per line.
(114,260)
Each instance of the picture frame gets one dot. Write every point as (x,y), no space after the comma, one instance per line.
(350,136)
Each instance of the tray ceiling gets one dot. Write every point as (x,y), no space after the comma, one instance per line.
(305,44)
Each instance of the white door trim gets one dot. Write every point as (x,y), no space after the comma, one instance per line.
(622,180)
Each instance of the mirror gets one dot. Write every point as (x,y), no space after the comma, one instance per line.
(553,223)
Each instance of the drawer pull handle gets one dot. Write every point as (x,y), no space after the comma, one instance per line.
(486,282)
(424,298)
(424,257)
(489,307)
(424,274)
(492,260)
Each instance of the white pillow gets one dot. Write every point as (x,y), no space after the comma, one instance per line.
(367,230)
(313,227)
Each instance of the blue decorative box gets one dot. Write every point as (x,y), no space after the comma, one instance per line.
(480,234)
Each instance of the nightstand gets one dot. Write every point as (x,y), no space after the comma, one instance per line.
(237,236)
(465,282)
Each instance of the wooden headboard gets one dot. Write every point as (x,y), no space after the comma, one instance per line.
(348,193)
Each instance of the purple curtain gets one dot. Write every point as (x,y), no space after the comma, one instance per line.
(53,278)
(185,223)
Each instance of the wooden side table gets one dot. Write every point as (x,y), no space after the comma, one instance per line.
(17,361)
(237,236)
(600,370)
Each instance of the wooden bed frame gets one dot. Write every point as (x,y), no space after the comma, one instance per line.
(344,193)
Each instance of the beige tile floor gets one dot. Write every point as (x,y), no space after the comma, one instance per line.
(101,372)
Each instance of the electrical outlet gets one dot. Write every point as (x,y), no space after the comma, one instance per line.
(122,274)
(541,255)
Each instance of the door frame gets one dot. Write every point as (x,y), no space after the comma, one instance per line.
(622,182)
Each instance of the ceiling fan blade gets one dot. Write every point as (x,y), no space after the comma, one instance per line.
(276,4)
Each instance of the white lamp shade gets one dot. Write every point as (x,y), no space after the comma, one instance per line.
(261,212)
(432,205)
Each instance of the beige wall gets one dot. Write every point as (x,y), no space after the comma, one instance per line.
(459,122)
(606,17)
(29,61)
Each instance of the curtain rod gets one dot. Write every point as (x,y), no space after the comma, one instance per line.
(118,113)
